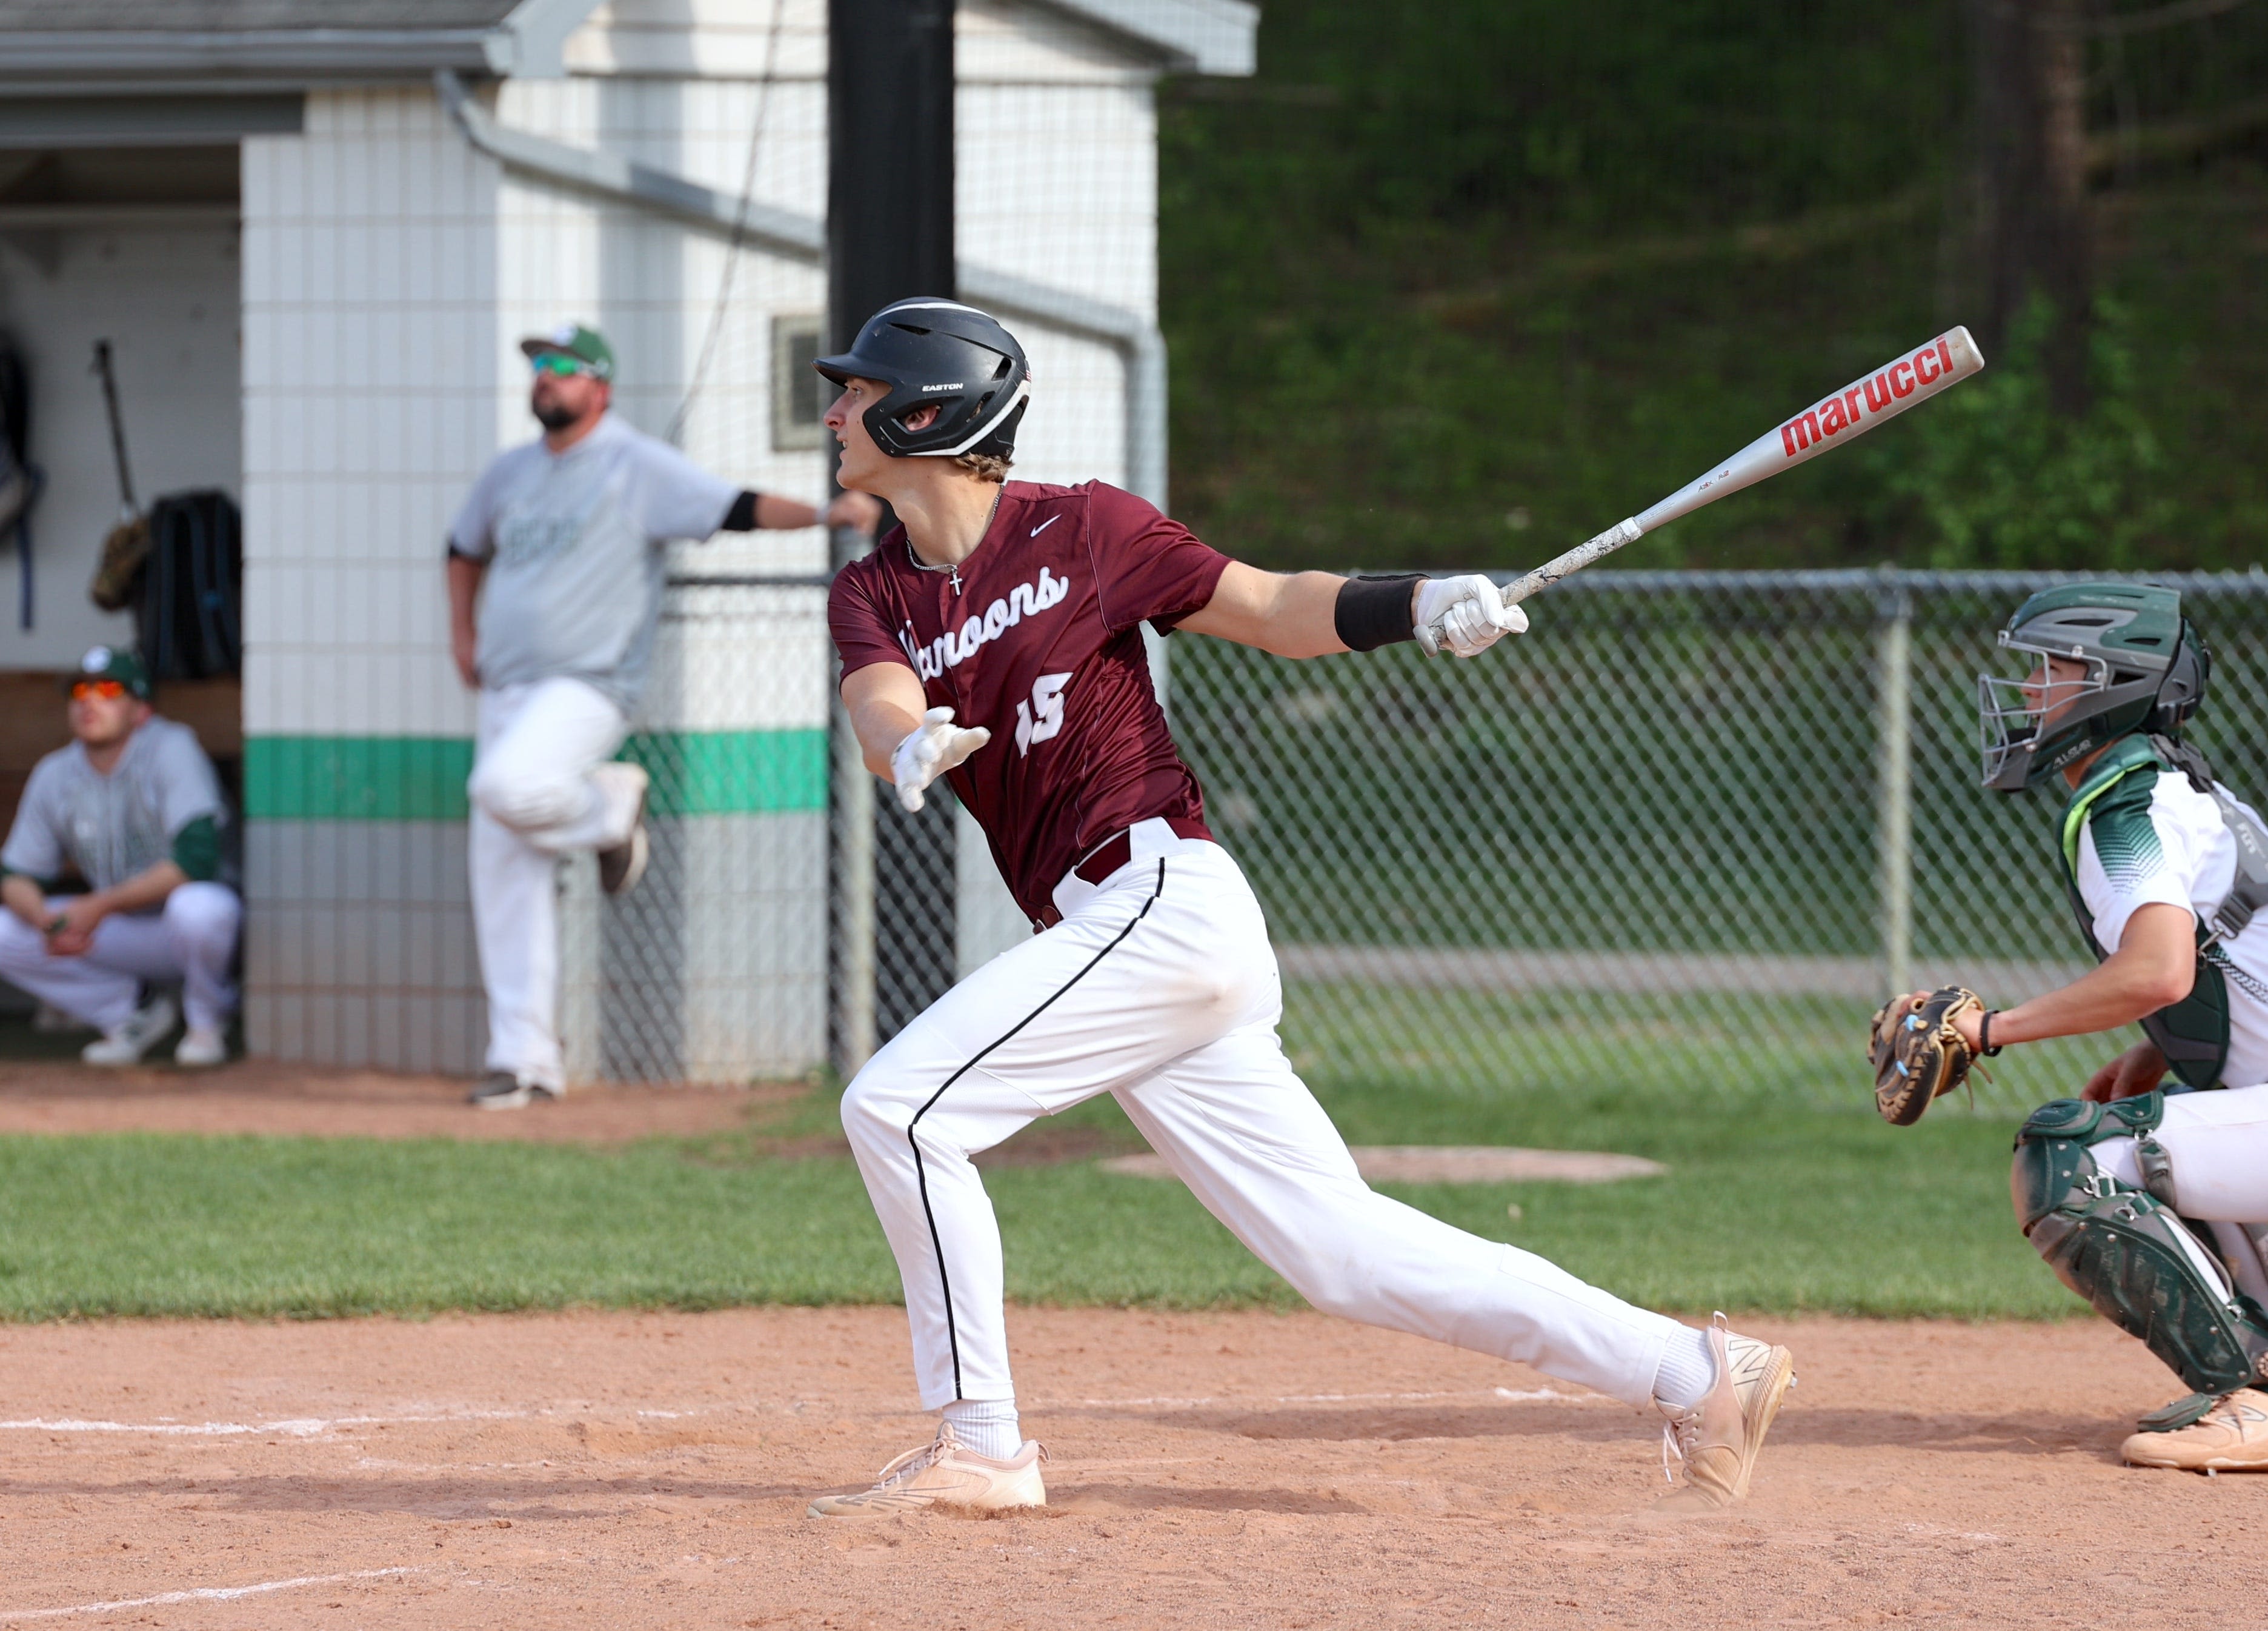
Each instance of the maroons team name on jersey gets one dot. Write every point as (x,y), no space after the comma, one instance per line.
(954,647)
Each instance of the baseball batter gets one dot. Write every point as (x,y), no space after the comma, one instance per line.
(994,639)
(554,591)
(2148,1197)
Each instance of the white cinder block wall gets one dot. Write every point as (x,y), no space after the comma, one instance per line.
(370,319)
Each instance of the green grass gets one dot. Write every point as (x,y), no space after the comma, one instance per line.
(1763,1209)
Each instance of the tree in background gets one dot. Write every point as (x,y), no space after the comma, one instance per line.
(1466,281)
(2029,65)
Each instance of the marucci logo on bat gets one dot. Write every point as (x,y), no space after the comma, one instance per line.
(1868,398)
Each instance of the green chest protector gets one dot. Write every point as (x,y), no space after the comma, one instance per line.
(2193,1033)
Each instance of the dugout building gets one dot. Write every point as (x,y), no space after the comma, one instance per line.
(313,233)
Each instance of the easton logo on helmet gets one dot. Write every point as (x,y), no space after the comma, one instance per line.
(955,386)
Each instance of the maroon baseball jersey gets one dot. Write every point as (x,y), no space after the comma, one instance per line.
(1038,637)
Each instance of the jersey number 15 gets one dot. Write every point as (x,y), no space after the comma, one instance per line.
(1042,717)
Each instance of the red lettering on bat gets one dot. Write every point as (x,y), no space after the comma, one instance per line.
(1906,387)
(1878,392)
(1834,420)
(1926,366)
(1945,356)
(1800,432)
(1852,397)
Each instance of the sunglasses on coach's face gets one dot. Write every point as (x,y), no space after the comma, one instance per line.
(562,365)
(109,691)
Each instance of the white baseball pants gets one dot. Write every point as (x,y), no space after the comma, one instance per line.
(539,789)
(1159,988)
(192,940)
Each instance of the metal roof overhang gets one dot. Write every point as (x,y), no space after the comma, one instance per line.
(52,63)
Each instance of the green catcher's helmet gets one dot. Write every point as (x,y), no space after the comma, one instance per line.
(2102,660)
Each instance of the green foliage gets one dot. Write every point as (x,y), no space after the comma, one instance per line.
(1463,283)
(1999,478)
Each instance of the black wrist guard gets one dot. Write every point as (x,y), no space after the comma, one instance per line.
(743,516)
(1371,612)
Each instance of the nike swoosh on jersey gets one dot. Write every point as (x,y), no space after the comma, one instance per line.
(1044,524)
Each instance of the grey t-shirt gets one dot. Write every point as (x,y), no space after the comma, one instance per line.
(573,544)
(112,827)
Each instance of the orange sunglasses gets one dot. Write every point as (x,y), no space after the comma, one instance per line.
(109,691)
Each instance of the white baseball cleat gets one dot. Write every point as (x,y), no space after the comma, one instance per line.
(143,1029)
(1718,1438)
(202,1047)
(945,1472)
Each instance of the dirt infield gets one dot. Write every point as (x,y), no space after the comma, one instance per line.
(1234,1470)
(307,1100)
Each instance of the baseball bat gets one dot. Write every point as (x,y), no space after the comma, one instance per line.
(1843,417)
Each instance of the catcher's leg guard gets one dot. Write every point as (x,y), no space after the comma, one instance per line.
(2126,1251)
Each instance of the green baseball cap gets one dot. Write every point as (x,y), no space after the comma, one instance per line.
(586,346)
(111,662)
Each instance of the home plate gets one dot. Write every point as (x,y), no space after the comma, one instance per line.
(1454,1164)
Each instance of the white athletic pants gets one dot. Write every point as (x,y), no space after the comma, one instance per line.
(192,940)
(2216,1148)
(1159,988)
(538,792)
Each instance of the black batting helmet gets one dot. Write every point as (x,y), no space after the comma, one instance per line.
(937,352)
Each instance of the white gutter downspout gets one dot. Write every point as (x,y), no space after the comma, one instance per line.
(1135,337)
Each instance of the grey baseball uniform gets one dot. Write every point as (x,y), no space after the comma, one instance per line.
(161,801)
(572,543)
(568,606)
(111,828)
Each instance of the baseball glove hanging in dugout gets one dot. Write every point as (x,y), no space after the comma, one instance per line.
(1918,1055)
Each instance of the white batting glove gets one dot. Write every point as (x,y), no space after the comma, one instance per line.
(1464,614)
(932,747)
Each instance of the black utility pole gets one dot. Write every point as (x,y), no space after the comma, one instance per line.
(890,235)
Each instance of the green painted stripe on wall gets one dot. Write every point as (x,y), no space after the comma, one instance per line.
(423,777)
(356,777)
(731,772)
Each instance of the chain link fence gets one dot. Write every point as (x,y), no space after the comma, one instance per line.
(1682,838)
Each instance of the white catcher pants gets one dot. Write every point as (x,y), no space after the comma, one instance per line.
(1159,988)
(539,789)
(192,939)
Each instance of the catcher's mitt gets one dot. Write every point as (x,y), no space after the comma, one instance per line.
(1918,1055)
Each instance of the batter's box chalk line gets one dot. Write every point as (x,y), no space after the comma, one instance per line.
(202,1594)
(315,1427)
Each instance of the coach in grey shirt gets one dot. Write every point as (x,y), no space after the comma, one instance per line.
(134,808)
(555,566)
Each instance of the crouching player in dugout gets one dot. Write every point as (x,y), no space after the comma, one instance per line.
(2147,1196)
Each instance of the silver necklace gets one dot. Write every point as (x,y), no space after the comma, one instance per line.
(953,567)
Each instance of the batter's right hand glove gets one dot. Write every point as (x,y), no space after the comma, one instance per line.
(1464,614)
(1916,1053)
(930,749)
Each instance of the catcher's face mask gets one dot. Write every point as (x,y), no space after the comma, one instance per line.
(2080,665)
(2018,712)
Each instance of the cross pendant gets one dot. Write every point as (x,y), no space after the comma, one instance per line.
(955,578)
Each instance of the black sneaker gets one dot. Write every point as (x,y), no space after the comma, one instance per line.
(622,867)
(500,1089)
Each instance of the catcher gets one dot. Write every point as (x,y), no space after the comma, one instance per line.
(2148,1197)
